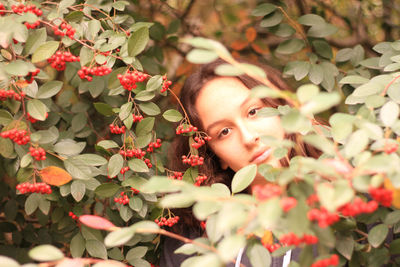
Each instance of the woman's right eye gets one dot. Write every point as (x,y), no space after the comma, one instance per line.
(224,132)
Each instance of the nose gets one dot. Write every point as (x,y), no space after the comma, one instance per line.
(249,134)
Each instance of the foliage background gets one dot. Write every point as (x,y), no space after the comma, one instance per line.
(27,222)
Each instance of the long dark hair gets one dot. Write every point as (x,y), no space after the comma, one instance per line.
(211,167)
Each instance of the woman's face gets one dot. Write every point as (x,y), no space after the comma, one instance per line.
(229,115)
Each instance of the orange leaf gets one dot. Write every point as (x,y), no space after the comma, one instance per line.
(97,222)
(396,192)
(55,176)
(251,34)
(239,45)
(267,238)
(260,48)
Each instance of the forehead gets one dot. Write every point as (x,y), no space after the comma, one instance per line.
(220,98)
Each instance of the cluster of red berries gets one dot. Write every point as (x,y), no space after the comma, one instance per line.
(324,217)
(272,247)
(166,84)
(193,160)
(200,141)
(148,163)
(177,175)
(382,195)
(129,153)
(331,261)
(21,8)
(27,187)
(200,179)
(291,239)
(390,148)
(181,129)
(115,129)
(167,222)
(72,215)
(88,73)
(69,31)
(264,192)
(124,170)
(33,120)
(123,199)
(312,199)
(358,206)
(153,145)
(130,78)
(288,203)
(32,25)
(38,153)
(135,191)
(10,94)
(1,9)
(17,136)
(57,61)
(31,75)
(137,118)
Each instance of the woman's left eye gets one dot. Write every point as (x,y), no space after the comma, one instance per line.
(252,112)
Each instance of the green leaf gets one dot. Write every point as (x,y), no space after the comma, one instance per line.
(136,253)
(307,92)
(119,237)
(32,203)
(323,48)
(209,259)
(45,51)
(243,178)
(342,125)
(86,55)
(172,115)
(321,102)
(138,165)
(115,164)
(263,10)
(150,108)
(354,79)
(46,253)
(5,117)
(77,246)
(78,122)
(8,262)
(316,74)
(230,246)
(269,213)
(49,89)
(311,19)
(201,56)
(35,39)
(103,108)
(345,246)
(107,190)
(107,144)
(145,126)
(295,122)
(126,110)
(344,54)
(138,41)
(37,109)
(17,67)
(136,203)
(69,147)
(290,46)
(321,143)
(272,19)
(228,70)
(377,235)
(259,256)
(145,95)
(392,218)
(321,30)
(154,83)
(78,190)
(389,113)
(92,159)
(357,142)
(96,249)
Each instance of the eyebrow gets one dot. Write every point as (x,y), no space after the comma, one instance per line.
(212,125)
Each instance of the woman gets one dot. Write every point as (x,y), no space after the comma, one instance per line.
(223,108)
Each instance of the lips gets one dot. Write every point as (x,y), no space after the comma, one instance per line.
(261,156)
